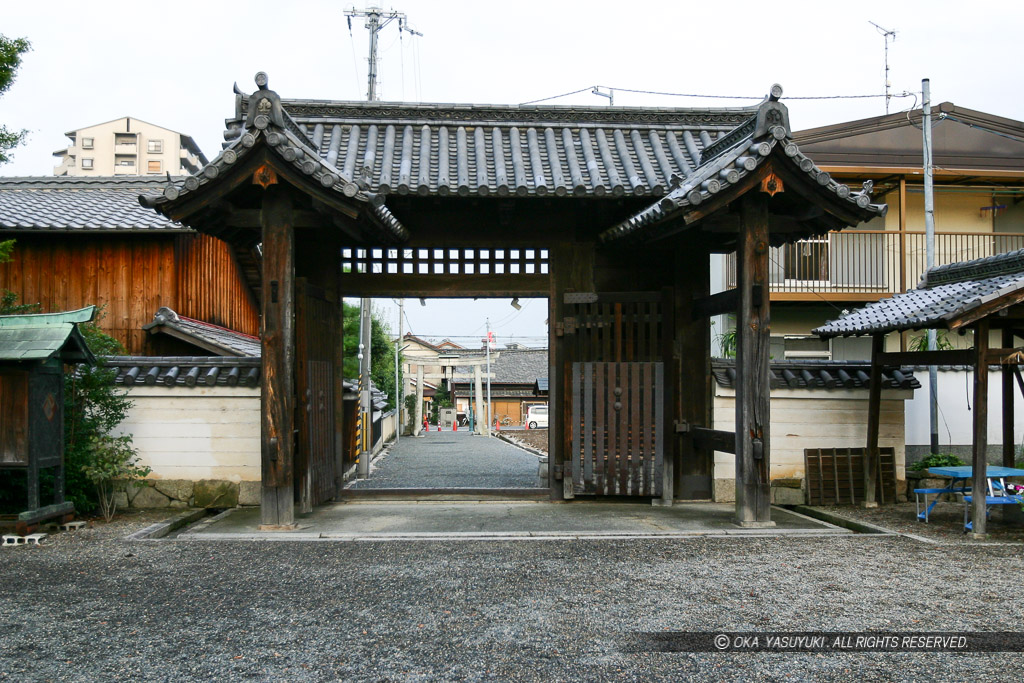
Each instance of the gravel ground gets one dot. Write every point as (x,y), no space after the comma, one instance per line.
(453,460)
(532,438)
(945,523)
(90,605)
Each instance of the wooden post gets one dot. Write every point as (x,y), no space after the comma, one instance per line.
(753,504)
(1009,438)
(692,340)
(979,487)
(277,402)
(874,417)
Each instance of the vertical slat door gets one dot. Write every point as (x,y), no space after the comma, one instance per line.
(615,378)
(617,431)
(316,334)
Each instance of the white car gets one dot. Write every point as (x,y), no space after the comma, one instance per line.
(537,416)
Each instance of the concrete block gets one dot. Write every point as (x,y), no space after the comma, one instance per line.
(12,539)
(34,539)
(149,497)
(175,489)
(72,526)
(249,492)
(724,490)
(213,493)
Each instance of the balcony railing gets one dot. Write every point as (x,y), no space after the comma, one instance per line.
(866,264)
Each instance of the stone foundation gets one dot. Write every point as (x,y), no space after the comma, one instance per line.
(184,493)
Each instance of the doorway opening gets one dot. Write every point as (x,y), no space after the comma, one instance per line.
(454,380)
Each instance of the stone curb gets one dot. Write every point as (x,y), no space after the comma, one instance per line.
(847,523)
(157,531)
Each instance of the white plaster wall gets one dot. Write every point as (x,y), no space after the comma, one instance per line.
(956,398)
(196,433)
(802,419)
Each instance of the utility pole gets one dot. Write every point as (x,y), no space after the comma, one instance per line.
(490,412)
(376,20)
(929,241)
(365,403)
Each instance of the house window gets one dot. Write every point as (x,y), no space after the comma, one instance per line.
(154,166)
(87,163)
(87,143)
(155,146)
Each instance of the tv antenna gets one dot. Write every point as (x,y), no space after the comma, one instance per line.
(376,20)
(890,36)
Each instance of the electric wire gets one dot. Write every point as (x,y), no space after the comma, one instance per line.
(715,97)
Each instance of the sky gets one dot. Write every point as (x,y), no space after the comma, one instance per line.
(173,64)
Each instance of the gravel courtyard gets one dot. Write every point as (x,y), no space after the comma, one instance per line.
(91,605)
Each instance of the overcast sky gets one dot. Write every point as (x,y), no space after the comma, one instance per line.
(173,64)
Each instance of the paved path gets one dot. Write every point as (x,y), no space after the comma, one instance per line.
(453,460)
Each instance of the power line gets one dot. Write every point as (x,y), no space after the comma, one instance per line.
(715,97)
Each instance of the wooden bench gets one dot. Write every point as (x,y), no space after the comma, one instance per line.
(989,501)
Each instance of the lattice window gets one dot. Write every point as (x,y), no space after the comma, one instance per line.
(445,261)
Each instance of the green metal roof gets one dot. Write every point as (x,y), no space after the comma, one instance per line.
(45,335)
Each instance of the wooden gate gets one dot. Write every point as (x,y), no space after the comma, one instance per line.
(618,348)
(317,333)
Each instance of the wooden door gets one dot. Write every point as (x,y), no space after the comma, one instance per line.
(317,333)
(618,348)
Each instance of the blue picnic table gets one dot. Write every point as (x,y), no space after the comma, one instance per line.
(960,478)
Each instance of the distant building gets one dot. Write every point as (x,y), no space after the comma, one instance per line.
(128,146)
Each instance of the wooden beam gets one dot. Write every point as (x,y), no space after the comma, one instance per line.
(411,286)
(714,439)
(874,419)
(954,357)
(753,504)
(721,303)
(987,309)
(1009,438)
(277,400)
(979,486)
(1005,356)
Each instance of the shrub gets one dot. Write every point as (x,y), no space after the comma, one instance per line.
(112,463)
(937,460)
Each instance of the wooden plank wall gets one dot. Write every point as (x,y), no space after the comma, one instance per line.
(211,286)
(131,276)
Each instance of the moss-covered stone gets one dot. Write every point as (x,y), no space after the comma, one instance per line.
(149,497)
(175,489)
(214,493)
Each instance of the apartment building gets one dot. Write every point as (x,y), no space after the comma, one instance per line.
(978,161)
(128,146)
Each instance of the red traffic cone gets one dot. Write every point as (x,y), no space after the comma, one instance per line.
(455,425)
(438,426)
(497,426)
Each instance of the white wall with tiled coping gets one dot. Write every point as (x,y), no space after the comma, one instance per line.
(201,443)
(810,418)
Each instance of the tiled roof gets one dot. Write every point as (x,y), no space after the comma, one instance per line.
(41,336)
(185,371)
(271,123)
(945,294)
(481,150)
(736,156)
(63,203)
(516,367)
(214,338)
(819,374)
